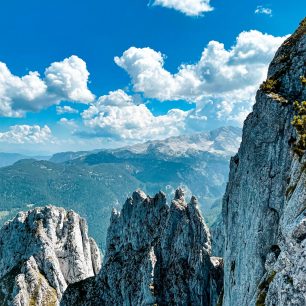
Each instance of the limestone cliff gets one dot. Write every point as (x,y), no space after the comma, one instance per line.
(155,255)
(42,251)
(264,205)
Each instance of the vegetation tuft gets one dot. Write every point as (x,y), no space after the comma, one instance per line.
(299,123)
(270,85)
(297,34)
(303,80)
(264,287)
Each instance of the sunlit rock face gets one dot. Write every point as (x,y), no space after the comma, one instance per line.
(42,251)
(264,204)
(156,254)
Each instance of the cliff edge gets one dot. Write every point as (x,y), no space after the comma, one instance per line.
(264,204)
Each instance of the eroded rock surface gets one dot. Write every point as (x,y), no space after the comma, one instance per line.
(155,255)
(264,205)
(42,251)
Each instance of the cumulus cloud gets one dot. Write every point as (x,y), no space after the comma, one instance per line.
(66,109)
(187,7)
(21,134)
(222,81)
(116,115)
(68,123)
(66,80)
(263,10)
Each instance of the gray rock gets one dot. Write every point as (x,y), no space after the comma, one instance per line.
(42,251)
(155,255)
(184,264)
(264,204)
(217,237)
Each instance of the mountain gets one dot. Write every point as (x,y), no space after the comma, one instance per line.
(161,255)
(264,211)
(92,183)
(7,159)
(222,141)
(42,252)
(165,260)
(90,190)
(155,255)
(65,156)
(199,162)
(263,222)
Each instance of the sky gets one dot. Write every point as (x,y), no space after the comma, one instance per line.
(81,75)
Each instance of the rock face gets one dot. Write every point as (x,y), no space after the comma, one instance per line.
(264,205)
(155,255)
(184,265)
(42,251)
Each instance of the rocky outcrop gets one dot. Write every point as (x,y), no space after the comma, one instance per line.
(264,205)
(42,251)
(127,277)
(155,255)
(184,256)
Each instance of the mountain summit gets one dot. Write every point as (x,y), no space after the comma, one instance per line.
(161,255)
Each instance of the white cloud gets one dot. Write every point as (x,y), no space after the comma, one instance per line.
(117,116)
(66,80)
(263,10)
(188,7)
(68,122)
(145,66)
(66,109)
(21,134)
(223,82)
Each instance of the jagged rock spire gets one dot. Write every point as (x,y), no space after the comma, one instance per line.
(155,255)
(179,194)
(42,251)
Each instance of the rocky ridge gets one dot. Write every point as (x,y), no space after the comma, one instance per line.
(42,251)
(155,255)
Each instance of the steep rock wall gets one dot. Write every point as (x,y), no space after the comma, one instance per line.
(256,212)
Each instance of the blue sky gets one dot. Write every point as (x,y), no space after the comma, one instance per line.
(152,95)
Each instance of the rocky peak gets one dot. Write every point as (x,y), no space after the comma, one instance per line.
(179,195)
(155,255)
(42,252)
(288,65)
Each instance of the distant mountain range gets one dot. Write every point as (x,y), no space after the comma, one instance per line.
(222,141)
(92,183)
(7,159)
